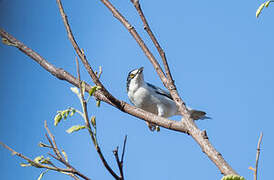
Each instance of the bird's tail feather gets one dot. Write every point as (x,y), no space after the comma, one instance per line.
(196,115)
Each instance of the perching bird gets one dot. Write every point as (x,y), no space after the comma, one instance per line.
(154,99)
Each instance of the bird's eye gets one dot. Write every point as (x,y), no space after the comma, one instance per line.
(131,76)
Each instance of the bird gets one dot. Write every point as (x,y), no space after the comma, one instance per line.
(154,99)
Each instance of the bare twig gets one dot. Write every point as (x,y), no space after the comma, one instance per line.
(138,39)
(120,162)
(257,156)
(83,58)
(52,141)
(124,148)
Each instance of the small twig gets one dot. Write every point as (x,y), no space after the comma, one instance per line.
(257,156)
(58,156)
(153,38)
(118,161)
(116,155)
(52,142)
(137,38)
(84,60)
(124,148)
(38,165)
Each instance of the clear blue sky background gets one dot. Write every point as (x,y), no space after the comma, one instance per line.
(220,55)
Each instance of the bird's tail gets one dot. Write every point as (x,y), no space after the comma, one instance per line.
(196,115)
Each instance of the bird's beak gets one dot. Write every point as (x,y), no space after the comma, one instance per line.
(140,70)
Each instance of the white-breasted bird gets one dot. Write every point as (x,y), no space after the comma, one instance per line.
(154,99)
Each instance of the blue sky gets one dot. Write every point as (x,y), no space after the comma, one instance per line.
(221,58)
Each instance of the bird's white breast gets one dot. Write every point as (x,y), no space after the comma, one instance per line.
(145,98)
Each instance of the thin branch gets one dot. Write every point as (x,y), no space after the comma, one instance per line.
(59,156)
(38,165)
(92,135)
(83,58)
(52,141)
(120,166)
(257,156)
(137,38)
(169,83)
(124,148)
(119,162)
(153,38)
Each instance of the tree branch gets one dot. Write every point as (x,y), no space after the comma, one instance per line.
(64,75)
(138,39)
(59,156)
(198,135)
(92,135)
(39,165)
(257,156)
(153,38)
(119,162)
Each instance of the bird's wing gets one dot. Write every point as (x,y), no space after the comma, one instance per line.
(160,91)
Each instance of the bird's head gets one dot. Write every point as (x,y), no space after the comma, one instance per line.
(135,77)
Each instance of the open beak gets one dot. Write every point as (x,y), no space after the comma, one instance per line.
(140,70)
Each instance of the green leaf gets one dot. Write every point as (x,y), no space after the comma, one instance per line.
(75,90)
(7,42)
(83,87)
(98,103)
(261,7)
(266,4)
(25,165)
(233,177)
(38,159)
(92,90)
(45,161)
(57,119)
(42,174)
(72,112)
(43,145)
(259,10)
(65,155)
(75,128)
(93,121)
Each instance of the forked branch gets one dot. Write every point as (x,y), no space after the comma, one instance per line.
(70,170)
(198,135)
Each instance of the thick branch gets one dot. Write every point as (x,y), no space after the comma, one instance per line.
(64,75)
